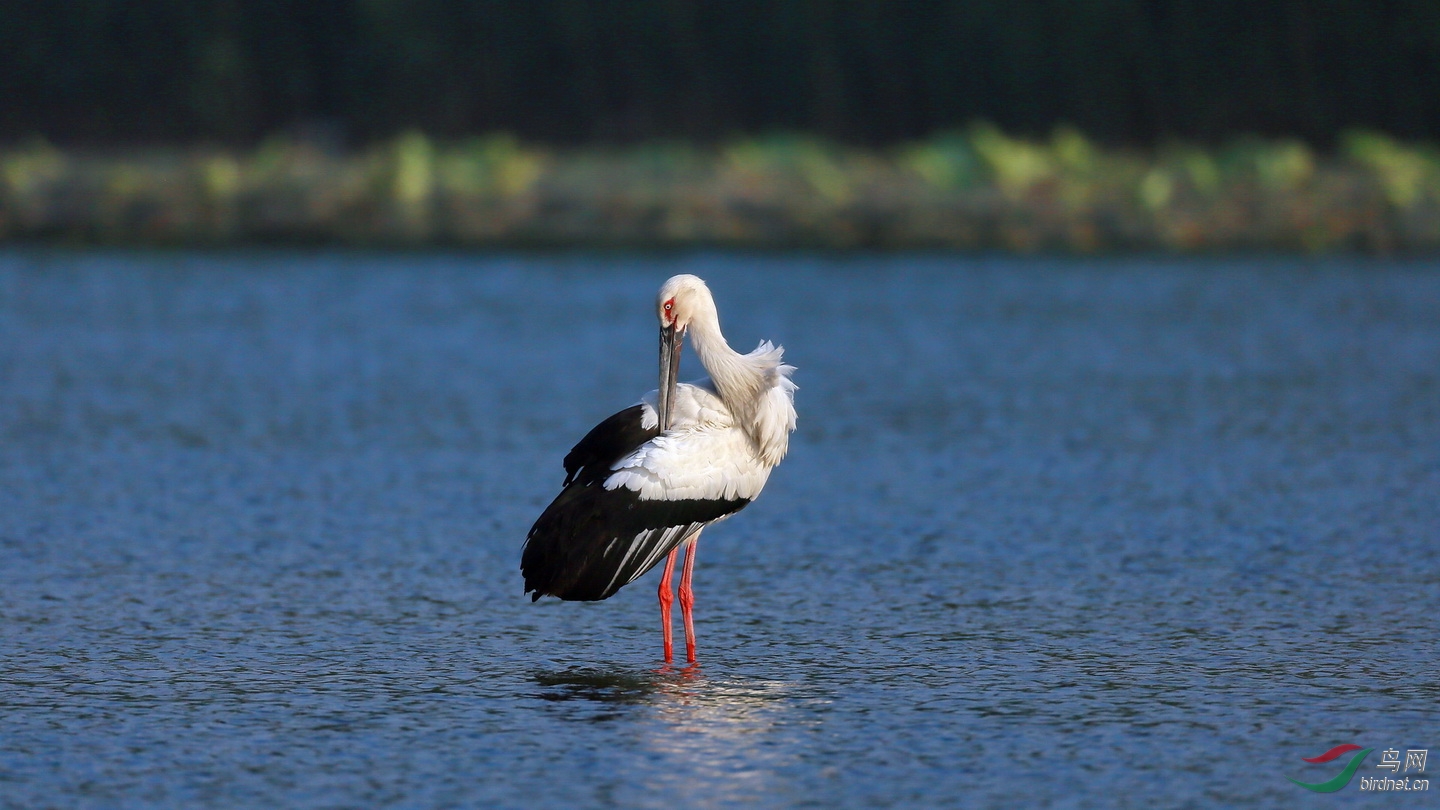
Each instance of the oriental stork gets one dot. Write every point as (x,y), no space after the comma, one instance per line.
(645,482)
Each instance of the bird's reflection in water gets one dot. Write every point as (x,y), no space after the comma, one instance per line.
(620,686)
(599,685)
(716,738)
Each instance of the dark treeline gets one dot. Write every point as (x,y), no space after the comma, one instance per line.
(89,72)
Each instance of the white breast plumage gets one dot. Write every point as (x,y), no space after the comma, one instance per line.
(704,455)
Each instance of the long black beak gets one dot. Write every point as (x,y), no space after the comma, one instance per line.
(671,341)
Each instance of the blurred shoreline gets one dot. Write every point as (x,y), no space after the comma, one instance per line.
(973,189)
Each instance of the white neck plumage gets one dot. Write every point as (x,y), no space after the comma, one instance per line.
(755,387)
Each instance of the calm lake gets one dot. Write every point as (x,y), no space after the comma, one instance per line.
(1051,533)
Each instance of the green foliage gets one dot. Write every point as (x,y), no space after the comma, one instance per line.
(1409,174)
(978,187)
(947,161)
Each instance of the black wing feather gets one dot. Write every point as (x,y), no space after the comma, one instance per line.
(607,443)
(590,541)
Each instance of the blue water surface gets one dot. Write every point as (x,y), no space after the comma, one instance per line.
(1065,533)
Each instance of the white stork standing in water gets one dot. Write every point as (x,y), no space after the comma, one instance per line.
(644,483)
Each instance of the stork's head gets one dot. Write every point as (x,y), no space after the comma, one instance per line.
(681,300)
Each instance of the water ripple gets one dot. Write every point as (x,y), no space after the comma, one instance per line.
(1120,533)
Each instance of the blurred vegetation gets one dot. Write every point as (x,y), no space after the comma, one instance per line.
(973,188)
(573,72)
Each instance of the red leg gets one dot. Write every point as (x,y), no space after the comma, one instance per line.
(666,598)
(687,598)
